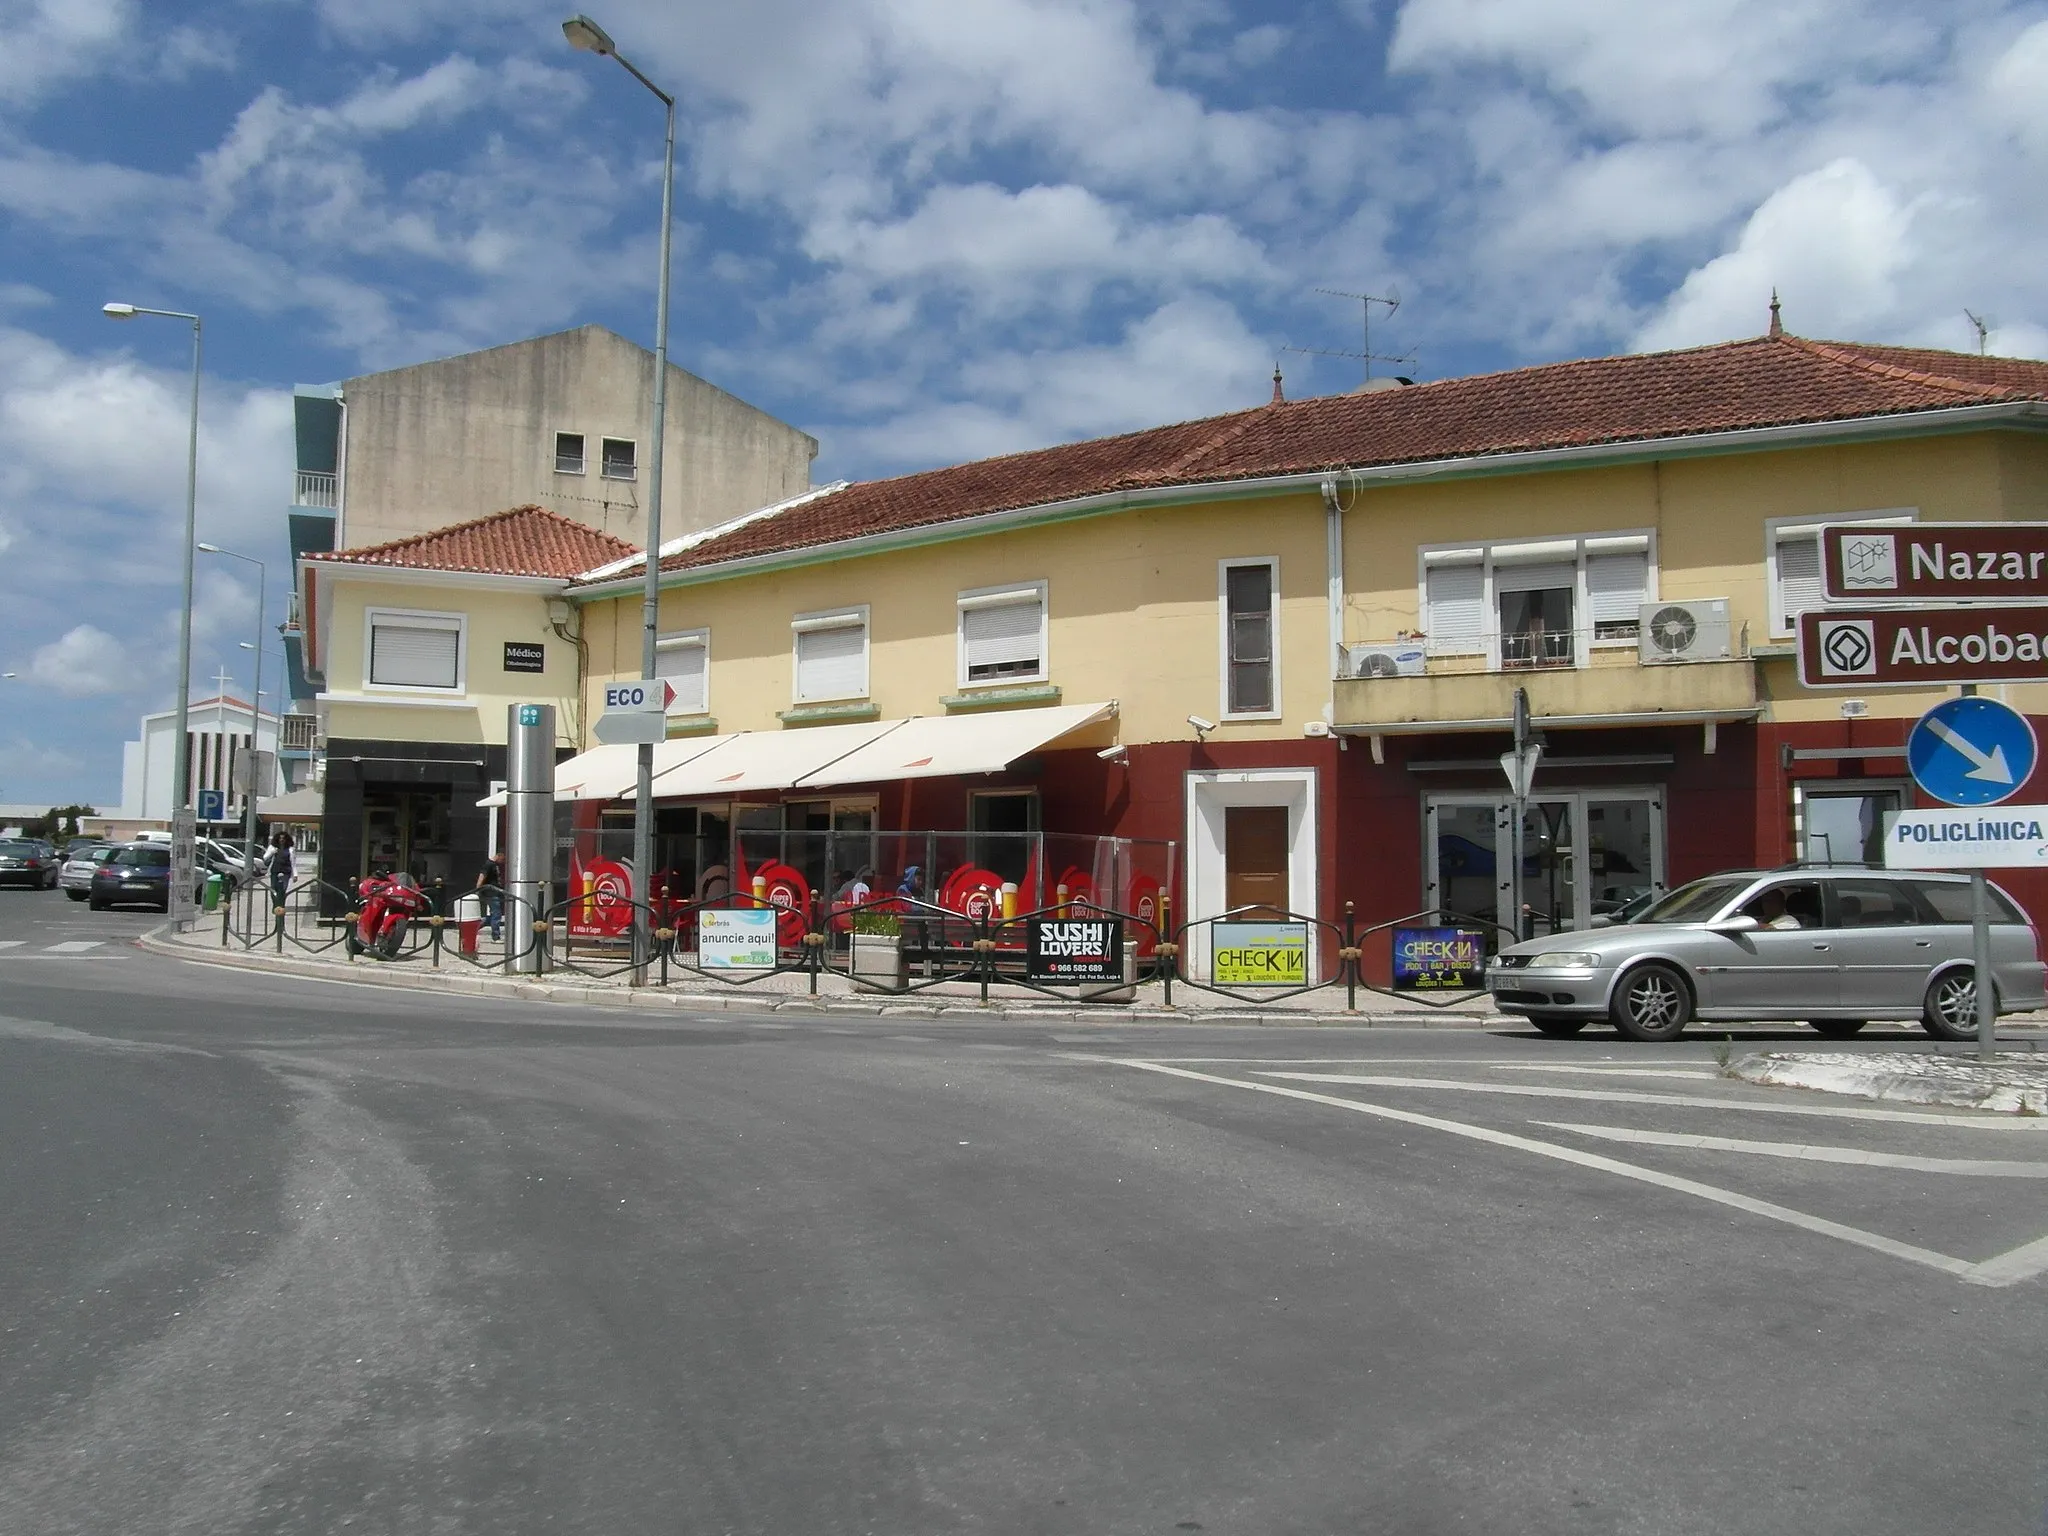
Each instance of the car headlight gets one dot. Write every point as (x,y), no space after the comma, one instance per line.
(1563,959)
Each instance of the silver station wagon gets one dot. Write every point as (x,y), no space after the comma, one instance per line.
(1834,946)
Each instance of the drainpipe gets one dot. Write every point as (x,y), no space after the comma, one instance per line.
(1333,516)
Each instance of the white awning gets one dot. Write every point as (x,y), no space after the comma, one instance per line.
(935,746)
(608,772)
(766,759)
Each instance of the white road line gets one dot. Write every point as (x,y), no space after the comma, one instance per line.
(1531,1066)
(2021,1263)
(12,943)
(1973,1167)
(1962,1269)
(72,947)
(1958,1121)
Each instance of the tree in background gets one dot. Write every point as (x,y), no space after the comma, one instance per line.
(59,822)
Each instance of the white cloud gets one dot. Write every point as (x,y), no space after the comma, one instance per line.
(51,41)
(84,661)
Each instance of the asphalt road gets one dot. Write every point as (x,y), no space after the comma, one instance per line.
(286,1255)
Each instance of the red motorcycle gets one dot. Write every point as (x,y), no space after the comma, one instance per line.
(389,905)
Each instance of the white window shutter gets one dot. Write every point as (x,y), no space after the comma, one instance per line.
(1002,639)
(1454,619)
(1617,585)
(414,656)
(684,667)
(1799,579)
(832,663)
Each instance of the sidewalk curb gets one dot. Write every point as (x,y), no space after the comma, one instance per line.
(879,1008)
(2014,1083)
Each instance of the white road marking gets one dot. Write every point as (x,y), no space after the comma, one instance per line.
(72,947)
(2021,1263)
(1962,1269)
(1974,1167)
(1961,1120)
(12,943)
(1530,1066)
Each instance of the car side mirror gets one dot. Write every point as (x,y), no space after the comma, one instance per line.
(1741,922)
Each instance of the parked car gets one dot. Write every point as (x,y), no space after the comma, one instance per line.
(29,863)
(74,875)
(1834,946)
(135,874)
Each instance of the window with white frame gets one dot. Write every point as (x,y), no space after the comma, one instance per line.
(410,650)
(685,660)
(618,460)
(1003,636)
(1792,554)
(831,655)
(1248,597)
(1536,602)
(568,453)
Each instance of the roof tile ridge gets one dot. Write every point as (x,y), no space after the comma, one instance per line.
(1229,429)
(415,540)
(1846,355)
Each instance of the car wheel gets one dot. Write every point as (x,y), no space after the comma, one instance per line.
(96,904)
(76,895)
(1837,1029)
(1651,1003)
(1950,1010)
(1556,1026)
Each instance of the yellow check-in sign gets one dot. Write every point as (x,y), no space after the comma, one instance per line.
(1259,954)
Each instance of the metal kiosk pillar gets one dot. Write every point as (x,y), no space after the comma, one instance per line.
(529,827)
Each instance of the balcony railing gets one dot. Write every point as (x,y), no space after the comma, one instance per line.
(298,733)
(315,488)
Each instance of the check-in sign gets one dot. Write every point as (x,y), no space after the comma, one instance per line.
(1904,647)
(2004,837)
(1935,562)
(1259,954)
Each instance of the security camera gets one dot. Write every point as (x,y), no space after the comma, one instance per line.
(1202,727)
(1113,754)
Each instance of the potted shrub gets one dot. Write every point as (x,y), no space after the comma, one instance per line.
(878,946)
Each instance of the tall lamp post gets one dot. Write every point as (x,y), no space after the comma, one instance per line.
(181,763)
(255,711)
(586,34)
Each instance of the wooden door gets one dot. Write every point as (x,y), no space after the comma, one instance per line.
(1255,857)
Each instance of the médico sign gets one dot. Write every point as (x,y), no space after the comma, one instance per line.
(1925,647)
(1949,562)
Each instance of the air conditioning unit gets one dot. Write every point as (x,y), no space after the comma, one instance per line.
(1398,658)
(1693,630)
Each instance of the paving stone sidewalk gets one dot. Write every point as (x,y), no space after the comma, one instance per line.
(790,993)
(2012,1082)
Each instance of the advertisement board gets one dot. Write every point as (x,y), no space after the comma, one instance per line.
(603,908)
(1438,959)
(1074,949)
(1259,954)
(736,939)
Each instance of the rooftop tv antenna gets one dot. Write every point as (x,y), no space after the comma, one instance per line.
(1366,355)
(1983,329)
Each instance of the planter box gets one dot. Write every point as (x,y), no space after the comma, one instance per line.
(879,956)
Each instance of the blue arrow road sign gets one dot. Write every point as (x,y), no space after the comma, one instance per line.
(1971,751)
(213,805)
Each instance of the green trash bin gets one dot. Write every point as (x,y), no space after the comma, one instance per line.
(211,895)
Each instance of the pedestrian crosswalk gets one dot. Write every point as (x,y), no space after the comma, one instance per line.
(21,949)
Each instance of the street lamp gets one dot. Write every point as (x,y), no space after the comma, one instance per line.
(587,35)
(255,711)
(181,763)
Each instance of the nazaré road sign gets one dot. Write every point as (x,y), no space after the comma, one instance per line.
(1922,647)
(2013,838)
(1937,562)
(1972,751)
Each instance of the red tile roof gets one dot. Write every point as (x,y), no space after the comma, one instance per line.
(1766,382)
(524,541)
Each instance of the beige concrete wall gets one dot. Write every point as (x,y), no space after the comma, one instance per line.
(1133,603)
(478,713)
(463,437)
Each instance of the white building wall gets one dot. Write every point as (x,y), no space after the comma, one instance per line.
(149,768)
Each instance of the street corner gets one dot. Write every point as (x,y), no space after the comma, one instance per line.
(2012,1083)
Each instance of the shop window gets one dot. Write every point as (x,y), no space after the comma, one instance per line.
(1002,636)
(1249,684)
(831,656)
(685,660)
(413,650)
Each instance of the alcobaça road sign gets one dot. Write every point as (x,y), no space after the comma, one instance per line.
(2015,838)
(1971,751)
(1895,647)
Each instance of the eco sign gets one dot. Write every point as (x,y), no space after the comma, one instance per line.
(1259,954)
(1438,959)
(1074,949)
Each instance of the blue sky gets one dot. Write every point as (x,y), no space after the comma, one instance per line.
(922,230)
